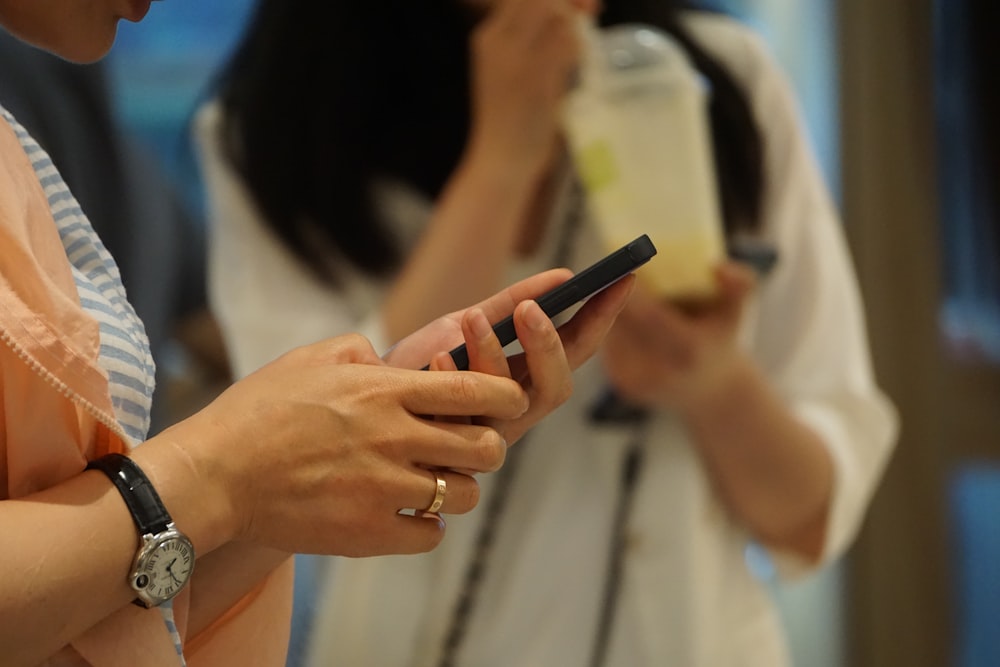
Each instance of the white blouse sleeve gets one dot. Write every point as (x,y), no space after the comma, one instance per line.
(809,333)
(266,300)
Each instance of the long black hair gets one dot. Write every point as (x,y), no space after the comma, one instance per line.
(399,74)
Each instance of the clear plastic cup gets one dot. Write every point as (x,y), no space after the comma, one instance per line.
(637,125)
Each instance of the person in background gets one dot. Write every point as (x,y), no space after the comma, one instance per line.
(389,161)
(322,451)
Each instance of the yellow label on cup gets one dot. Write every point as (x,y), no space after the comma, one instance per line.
(596,163)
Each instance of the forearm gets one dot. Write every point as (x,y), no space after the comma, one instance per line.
(464,253)
(75,545)
(772,471)
(224,577)
(193,484)
(46,600)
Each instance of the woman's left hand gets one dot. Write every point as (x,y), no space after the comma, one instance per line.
(550,355)
(671,356)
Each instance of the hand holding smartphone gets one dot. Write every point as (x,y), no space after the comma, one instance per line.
(581,286)
(760,256)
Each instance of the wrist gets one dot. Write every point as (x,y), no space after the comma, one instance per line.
(165,558)
(194,483)
(501,164)
(730,385)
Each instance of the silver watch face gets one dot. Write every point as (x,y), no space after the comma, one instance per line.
(163,566)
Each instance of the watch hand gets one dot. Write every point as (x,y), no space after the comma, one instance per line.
(170,570)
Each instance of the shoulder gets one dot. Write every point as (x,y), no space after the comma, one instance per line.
(206,122)
(217,172)
(738,47)
(745,54)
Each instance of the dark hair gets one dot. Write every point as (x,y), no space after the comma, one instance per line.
(401,74)
(985,105)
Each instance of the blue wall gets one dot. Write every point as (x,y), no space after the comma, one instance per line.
(161,66)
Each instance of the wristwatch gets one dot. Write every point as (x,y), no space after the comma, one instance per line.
(165,558)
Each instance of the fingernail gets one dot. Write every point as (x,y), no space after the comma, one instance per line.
(480,325)
(434,516)
(536,318)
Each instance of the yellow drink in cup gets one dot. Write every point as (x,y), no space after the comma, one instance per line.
(639,135)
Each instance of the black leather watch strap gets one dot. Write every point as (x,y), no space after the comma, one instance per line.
(143,502)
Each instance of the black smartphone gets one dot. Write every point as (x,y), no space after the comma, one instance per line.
(581,286)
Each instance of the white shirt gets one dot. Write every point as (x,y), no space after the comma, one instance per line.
(687,596)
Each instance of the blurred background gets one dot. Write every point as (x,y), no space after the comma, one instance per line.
(901,104)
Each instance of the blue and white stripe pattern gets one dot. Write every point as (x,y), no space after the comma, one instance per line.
(124,351)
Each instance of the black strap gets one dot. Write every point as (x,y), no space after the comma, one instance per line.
(616,556)
(609,409)
(147,510)
(464,606)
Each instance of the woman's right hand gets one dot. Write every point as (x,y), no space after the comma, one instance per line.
(524,55)
(318,451)
(498,199)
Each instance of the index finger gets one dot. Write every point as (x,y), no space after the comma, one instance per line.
(503,303)
(463,394)
(485,353)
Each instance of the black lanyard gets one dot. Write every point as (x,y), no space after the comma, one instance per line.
(608,410)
